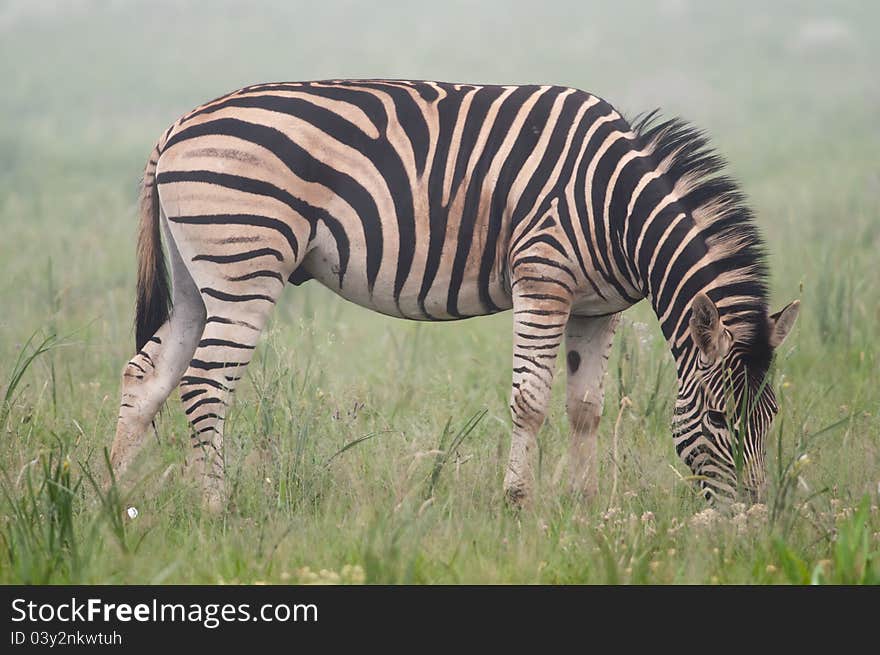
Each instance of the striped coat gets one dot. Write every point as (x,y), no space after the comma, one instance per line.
(435,201)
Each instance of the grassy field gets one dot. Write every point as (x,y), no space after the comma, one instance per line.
(364,449)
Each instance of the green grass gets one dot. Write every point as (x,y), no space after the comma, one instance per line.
(368,449)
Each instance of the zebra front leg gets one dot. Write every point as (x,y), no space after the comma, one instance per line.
(588,343)
(539,317)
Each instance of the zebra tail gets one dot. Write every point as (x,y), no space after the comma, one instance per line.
(153,293)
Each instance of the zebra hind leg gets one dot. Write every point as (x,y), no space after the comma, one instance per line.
(588,343)
(207,387)
(239,299)
(151,375)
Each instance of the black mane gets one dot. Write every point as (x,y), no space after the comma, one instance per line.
(727,224)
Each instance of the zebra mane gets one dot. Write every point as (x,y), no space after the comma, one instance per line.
(696,173)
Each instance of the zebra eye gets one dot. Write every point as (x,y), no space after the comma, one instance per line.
(716,419)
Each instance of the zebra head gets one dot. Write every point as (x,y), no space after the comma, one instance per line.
(725,404)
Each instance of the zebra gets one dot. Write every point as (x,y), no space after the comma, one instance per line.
(435,201)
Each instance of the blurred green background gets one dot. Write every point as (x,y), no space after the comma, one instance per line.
(788,92)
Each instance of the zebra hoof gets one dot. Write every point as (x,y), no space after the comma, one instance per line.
(516,497)
(214,500)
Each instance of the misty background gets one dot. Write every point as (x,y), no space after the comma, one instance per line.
(787,91)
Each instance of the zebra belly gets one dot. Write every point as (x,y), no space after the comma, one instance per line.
(322,264)
(594,305)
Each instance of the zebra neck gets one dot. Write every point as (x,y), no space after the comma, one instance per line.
(673,263)
(685,229)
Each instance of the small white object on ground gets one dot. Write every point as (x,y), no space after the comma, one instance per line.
(132,512)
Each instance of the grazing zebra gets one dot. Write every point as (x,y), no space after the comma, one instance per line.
(433,201)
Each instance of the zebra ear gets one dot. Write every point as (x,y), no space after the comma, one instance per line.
(707,330)
(782,322)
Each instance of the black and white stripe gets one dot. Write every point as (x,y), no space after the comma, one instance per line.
(435,201)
